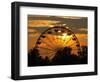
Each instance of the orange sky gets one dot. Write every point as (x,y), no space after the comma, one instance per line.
(33,35)
(36,27)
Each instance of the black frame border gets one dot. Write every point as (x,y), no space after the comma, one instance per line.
(15,40)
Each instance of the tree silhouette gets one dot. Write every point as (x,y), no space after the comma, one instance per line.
(33,57)
(65,57)
(84,55)
(62,57)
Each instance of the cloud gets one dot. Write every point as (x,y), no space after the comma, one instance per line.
(83,29)
(74,22)
(70,17)
(41,23)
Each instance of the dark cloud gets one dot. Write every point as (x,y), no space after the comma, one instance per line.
(39,29)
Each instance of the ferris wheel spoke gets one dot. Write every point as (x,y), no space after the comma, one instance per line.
(46,52)
(59,36)
(51,41)
(56,41)
(48,44)
(52,55)
(48,38)
(43,45)
(66,42)
(61,40)
(49,54)
(56,37)
(46,48)
(52,35)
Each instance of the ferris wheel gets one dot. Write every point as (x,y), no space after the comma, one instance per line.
(57,38)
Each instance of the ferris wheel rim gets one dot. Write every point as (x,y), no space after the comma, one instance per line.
(57,27)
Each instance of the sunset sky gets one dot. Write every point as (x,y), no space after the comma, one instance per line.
(38,23)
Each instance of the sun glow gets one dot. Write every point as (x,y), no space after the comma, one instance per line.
(64,36)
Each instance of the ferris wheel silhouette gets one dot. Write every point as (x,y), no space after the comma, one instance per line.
(57,38)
